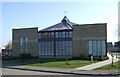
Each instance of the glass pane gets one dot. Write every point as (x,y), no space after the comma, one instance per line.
(70,47)
(94,48)
(42,35)
(99,48)
(64,48)
(43,48)
(52,34)
(57,46)
(103,48)
(56,34)
(70,34)
(52,48)
(26,44)
(46,49)
(21,45)
(61,48)
(67,48)
(39,35)
(63,34)
(60,34)
(46,35)
(90,47)
(40,48)
(67,34)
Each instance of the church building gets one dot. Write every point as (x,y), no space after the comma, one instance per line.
(62,40)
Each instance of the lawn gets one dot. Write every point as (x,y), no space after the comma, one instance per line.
(116,65)
(62,64)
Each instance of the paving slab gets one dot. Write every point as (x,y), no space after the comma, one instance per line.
(98,64)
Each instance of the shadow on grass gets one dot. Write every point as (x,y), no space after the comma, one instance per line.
(17,62)
(30,61)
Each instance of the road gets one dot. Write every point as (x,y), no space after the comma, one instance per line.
(6,71)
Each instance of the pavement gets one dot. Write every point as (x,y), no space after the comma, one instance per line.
(98,64)
(85,70)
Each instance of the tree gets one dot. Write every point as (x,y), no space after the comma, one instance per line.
(9,45)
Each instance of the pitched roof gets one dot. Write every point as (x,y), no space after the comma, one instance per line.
(117,44)
(65,24)
(109,44)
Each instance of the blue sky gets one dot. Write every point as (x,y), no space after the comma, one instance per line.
(45,14)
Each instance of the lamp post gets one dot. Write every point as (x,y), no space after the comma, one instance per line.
(112,59)
(91,56)
(116,54)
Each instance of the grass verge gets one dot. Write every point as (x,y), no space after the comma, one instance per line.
(62,64)
(116,65)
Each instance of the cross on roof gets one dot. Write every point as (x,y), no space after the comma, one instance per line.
(65,12)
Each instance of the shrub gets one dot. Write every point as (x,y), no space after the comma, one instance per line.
(81,57)
(100,58)
(24,56)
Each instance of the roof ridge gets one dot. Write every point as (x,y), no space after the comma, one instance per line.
(65,24)
(65,19)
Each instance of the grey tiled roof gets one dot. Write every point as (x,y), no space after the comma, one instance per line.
(117,44)
(65,24)
(109,44)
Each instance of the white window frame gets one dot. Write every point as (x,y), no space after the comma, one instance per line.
(21,45)
(26,44)
(97,47)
